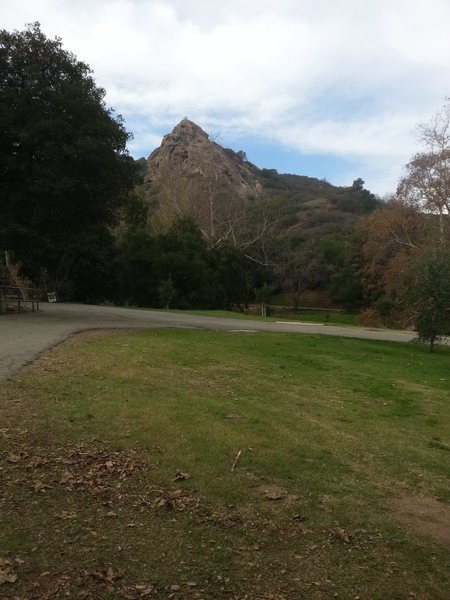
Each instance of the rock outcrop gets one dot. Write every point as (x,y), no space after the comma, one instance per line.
(188,152)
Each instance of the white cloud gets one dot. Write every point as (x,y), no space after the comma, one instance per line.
(341,77)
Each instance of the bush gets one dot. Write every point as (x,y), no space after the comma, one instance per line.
(368,317)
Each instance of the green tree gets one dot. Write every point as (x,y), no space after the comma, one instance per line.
(354,199)
(232,272)
(183,255)
(429,294)
(88,270)
(346,289)
(64,168)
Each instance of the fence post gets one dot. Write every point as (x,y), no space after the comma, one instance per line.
(2,301)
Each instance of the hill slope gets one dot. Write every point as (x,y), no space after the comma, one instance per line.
(189,173)
(298,229)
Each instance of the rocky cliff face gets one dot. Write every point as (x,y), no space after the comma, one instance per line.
(188,152)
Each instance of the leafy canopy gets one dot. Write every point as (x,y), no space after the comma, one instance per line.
(64,168)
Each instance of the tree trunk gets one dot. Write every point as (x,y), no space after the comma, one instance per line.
(14,275)
(2,302)
(441,227)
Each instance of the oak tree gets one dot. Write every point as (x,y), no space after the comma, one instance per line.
(64,167)
(429,294)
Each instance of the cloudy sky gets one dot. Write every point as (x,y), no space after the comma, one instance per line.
(327,88)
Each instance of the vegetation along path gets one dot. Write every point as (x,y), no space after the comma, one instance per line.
(23,337)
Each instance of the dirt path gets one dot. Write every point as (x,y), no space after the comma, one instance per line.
(24,336)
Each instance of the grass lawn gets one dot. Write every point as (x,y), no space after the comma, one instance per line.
(240,466)
(305,316)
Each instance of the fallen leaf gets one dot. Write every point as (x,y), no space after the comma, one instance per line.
(67,515)
(274,496)
(65,477)
(13,458)
(341,534)
(179,476)
(7,576)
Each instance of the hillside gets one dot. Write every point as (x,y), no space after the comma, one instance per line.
(189,173)
(291,232)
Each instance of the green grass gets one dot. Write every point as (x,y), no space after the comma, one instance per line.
(305,316)
(325,317)
(332,429)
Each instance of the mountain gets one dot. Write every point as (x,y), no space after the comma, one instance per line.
(235,201)
(292,231)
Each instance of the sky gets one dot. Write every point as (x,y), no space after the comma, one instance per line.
(331,89)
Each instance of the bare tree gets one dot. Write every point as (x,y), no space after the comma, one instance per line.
(427,180)
(224,214)
(174,196)
(297,271)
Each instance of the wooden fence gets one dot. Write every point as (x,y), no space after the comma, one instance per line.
(17,299)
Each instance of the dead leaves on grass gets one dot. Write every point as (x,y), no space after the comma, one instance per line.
(92,471)
(77,584)
(103,476)
(96,472)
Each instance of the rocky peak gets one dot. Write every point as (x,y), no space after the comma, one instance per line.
(188,130)
(187,151)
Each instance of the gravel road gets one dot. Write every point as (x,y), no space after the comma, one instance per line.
(24,336)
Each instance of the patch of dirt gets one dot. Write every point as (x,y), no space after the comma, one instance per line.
(423,515)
